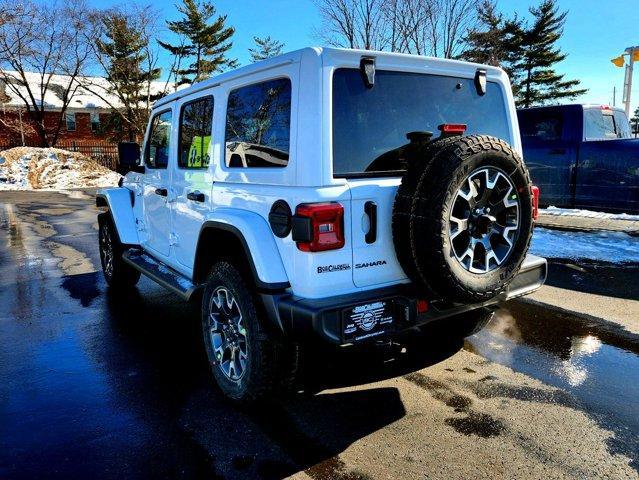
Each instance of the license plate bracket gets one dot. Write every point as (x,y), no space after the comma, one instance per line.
(368,321)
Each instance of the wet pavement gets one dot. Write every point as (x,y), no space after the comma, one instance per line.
(93,384)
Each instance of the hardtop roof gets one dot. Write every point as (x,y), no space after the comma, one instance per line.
(328,53)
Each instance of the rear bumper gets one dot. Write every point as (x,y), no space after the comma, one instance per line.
(322,317)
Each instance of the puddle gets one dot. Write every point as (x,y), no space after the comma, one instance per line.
(595,363)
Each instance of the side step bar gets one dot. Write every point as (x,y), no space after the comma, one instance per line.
(160,273)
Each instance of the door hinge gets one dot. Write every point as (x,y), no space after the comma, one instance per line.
(140,225)
(173,239)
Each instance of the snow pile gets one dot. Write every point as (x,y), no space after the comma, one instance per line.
(614,247)
(570,212)
(29,168)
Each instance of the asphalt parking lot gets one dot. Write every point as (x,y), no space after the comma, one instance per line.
(93,384)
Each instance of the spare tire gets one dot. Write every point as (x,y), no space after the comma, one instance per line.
(417,157)
(470,221)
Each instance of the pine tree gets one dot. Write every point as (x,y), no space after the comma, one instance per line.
(486,43)
(634,122)
(206,41)
(122,50)
(265,48)
(491,42)
(535,53)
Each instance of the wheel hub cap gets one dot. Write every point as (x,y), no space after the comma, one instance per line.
(227,334)
(484,220)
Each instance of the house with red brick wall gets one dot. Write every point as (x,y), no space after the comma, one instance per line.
(85,119)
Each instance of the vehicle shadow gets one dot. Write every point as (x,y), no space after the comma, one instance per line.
(173,391)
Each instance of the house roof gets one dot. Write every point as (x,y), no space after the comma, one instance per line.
(92,92)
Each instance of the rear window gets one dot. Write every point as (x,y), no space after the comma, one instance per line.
(605,124)
(370,124)
(540,125)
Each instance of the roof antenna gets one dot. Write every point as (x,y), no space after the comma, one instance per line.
(367,69)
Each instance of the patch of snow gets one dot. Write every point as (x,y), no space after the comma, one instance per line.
(29,168)
(614,247)
(571,212)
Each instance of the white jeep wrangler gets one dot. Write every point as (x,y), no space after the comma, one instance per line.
(338,194)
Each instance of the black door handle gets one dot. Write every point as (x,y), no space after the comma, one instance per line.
(370,209)
(163,192)
(196,196)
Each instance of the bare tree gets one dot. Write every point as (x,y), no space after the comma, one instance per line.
(353,23)
(422,27)
(44,39)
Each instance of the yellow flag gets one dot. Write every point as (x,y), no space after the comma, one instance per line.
(620,61)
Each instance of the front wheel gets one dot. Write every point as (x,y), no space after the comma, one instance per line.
(117,273)
(243,355)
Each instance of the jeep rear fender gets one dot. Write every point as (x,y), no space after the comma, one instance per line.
(118,202)
(258,245)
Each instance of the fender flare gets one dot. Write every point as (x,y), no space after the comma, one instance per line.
(119,202)
(250,228)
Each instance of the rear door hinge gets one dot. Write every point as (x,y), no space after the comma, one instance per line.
(173,239)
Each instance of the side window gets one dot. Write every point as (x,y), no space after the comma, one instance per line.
(196,123)
(622,124)
(541,127)
(598,126)
(156,154)
(258,125)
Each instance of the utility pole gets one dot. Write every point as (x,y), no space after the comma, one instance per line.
(627,83)
(614,96)
(620,61)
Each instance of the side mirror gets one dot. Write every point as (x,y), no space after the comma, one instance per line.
(129,158)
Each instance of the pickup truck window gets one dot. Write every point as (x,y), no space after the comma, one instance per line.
(370,124)
(542,126)
(258,125)
(156,154)
(196,124)
(605,124)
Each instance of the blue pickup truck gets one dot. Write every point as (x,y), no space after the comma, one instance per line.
(582,156)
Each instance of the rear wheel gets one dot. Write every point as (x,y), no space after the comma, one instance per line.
(117,273)
(247,360)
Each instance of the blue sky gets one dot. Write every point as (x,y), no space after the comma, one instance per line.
(595,32)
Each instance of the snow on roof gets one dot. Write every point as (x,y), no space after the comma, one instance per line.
(92,92)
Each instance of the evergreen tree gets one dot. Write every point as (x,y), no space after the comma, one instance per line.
(206,41)
(265,48)
(123,51)
(491,42)
(634,122)
(487,43)
(534,53)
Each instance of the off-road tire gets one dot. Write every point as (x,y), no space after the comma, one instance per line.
(117,273)
(271,364)
(418,160)
(432,263)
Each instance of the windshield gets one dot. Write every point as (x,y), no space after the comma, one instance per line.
(372,124)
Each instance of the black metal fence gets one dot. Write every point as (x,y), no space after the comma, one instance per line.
(106,154)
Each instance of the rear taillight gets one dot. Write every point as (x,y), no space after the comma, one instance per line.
(535,200)
(319,226)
